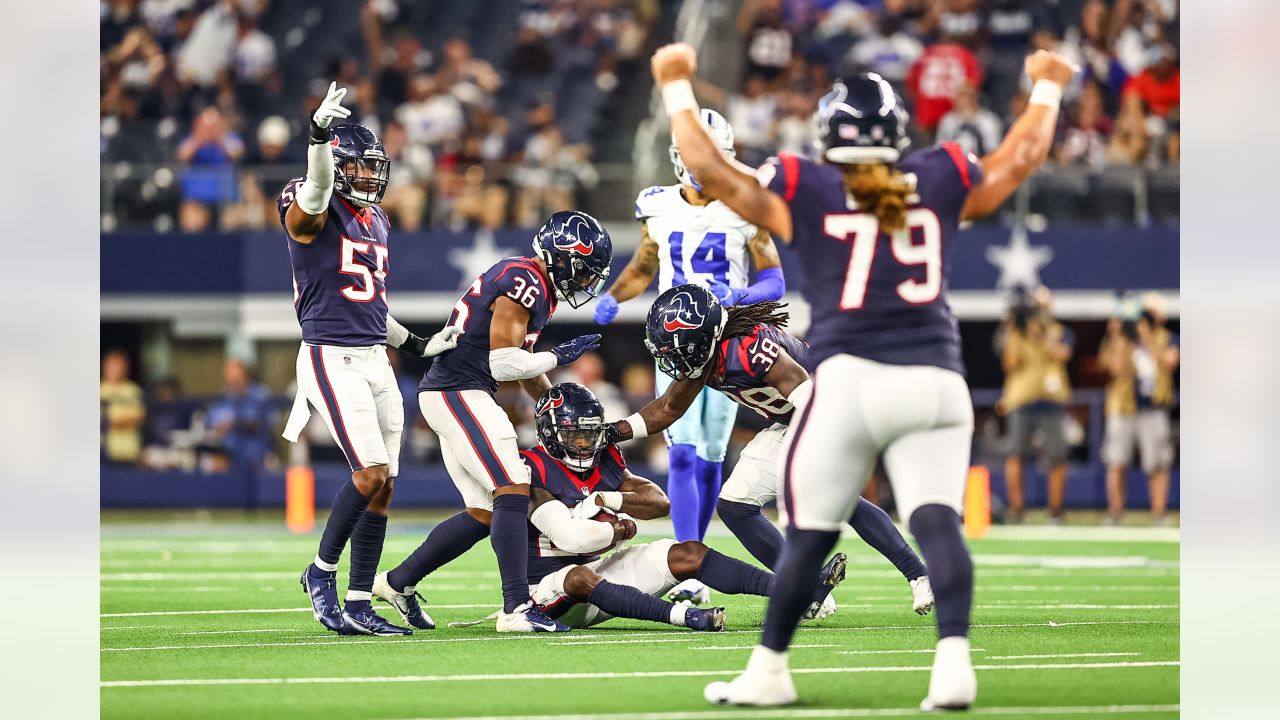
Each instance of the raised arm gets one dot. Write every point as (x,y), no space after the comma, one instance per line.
(1027,144)
(306,217)
(673,68)
(659,414)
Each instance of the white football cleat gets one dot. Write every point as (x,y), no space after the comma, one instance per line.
(690,592)
(529,619)
(826,609)
(766,682)
(952,685)
(921,595)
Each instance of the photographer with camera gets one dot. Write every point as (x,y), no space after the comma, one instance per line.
(1141,356)
(1034,349)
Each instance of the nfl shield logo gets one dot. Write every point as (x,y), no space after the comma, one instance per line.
(849,132)
(346,359)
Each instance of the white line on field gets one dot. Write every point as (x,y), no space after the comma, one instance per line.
(265,610)
(894,652)
(793,712)
(321,641)
(626,642)
(1063,655)
(1075,606)
(134,627)
(237,632)
(753,647)
(606,675)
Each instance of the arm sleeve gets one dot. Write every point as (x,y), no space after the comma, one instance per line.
(317,188)
(577,536)
(509,363)
(770,284)
(396,333)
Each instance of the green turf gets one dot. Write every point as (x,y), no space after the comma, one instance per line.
(1105,602)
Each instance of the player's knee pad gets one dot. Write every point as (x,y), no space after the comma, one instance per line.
(682,459)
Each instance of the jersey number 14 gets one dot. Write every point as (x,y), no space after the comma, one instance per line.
(862,231)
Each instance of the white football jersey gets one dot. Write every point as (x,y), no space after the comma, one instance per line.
(696,244)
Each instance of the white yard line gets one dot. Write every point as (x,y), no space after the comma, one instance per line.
(238,632)
(627,642)
(158,613)
(506,678)
(753,647)
(605,636)
(894,652)
(1062,655)
(1087,710)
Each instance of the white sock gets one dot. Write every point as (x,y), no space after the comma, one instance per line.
(327,567)
(359,595)
(765,660)
(677,615)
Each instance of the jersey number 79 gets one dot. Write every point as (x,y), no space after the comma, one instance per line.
(862,231)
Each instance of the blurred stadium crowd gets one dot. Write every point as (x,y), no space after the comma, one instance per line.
(491,109)
(204,102)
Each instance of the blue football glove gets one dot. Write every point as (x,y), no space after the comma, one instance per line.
(567,352)
(728,296)
(606,309)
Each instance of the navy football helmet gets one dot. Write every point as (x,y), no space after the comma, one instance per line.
(577,251)
(861,120)
(361,167)
(682,330)
(570,423)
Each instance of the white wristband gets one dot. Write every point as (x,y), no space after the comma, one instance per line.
(1047,93)
(612,500)
(397,334)
(677,96)
(638,428)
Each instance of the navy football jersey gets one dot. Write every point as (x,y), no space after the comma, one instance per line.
(340,279)
(874,295)
(466,367)
(569,487)
(741,363)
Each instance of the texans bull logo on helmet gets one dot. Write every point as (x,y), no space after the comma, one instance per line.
(567,237)
(680,315)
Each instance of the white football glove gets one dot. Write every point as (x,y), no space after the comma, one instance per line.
(443,341)
(331,108)
(586,509)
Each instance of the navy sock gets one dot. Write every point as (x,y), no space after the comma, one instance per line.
(732,576)
(937,529)
(445,543)
(682,488)
(708,478)
(348,506)
(625,601)
(509,534)
(748,523)
(795,586)
(355,606)
(366,550)
(876,529)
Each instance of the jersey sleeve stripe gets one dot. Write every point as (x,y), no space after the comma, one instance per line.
(617,456)
(962,163)
(791,173)
(540,474)
(743,356)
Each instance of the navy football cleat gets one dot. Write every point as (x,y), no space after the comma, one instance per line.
(367,622)
(831,575)
(704,619)
(322,588)
(406,602)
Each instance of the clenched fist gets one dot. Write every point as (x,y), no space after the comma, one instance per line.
(1046,65)
(676,61)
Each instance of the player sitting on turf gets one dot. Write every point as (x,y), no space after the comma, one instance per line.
(744,353)
(580,498)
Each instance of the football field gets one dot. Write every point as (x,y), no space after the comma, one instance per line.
(204,617)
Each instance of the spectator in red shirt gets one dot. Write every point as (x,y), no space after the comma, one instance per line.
(937,76)
(1159,84)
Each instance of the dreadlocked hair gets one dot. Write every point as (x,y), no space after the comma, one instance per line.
(744,318)
(882,191)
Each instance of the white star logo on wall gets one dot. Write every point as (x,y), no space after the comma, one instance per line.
(1019,262)
(475,259)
